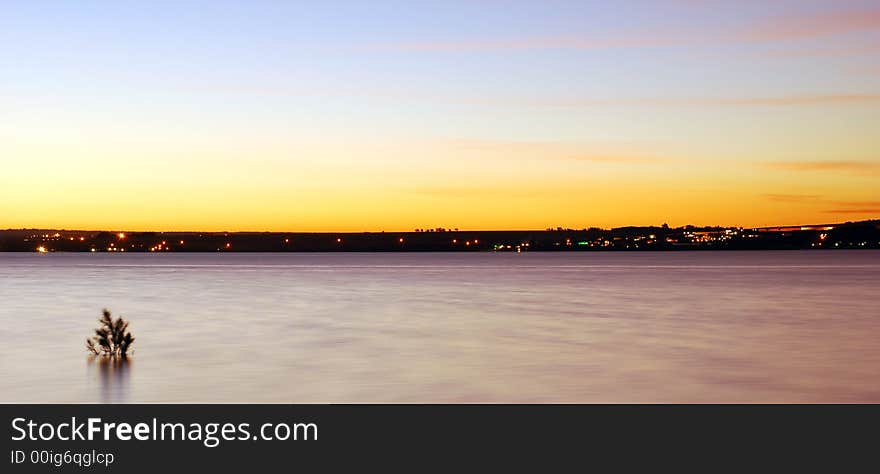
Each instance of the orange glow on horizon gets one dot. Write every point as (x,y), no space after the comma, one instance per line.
(534,186)
(605,204)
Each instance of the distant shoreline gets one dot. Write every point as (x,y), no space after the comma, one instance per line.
(850,235)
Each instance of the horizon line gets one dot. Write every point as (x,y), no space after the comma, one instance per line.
(434,230)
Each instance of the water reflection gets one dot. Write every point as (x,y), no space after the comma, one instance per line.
(113,374)
(553,327)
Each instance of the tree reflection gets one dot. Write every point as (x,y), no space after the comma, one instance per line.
(113,374)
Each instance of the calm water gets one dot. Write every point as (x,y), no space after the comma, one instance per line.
(609,327)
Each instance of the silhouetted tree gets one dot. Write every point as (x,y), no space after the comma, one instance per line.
(112,338)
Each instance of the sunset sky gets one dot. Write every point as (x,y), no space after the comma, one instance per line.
(348,116)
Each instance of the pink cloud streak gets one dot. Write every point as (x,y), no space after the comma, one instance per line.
(766,30)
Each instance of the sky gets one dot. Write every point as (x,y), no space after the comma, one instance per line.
(482,114)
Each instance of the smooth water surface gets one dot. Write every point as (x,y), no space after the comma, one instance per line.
(440,327)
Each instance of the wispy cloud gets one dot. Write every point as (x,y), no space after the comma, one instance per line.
(851,167)
(552,150)
(780,28)
(869,69)
(633,40)
(352,92)
(798,99)
(472,192)
(871,210)
(817,200)
(826,51)
(815,25)
(854,207)
(857,203)
(765,101)
(793,198)
(621,159)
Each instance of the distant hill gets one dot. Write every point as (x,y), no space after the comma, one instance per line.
(848,235)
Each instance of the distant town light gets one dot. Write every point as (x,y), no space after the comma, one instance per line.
(338,241)
(41,249)
(121,235)
(400,240)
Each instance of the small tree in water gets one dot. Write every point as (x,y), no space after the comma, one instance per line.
(112,338)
